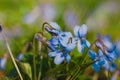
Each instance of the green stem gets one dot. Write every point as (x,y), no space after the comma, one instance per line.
(12,57)
(84,57)
(40,53)
(34,62)
(109,75)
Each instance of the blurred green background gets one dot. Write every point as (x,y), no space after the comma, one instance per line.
(23,18)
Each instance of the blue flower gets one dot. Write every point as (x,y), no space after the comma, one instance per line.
(108,52)
(109,49)
(98,58)
(67,41)
(80,33)
(65,44)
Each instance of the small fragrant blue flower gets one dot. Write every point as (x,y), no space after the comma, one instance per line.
(66,41)
(60,45)
(80,33)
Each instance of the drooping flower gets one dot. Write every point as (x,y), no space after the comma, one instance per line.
(109,49)
(60,44)
(53,29)
(108,53)
(80,33)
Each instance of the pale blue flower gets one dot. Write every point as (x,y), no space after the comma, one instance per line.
(80,33)
(67,41)
(65,44)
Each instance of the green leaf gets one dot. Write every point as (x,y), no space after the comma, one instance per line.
(25,69)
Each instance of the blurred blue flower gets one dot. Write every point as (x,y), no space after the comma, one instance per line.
(3,61)
(109,49)
(80,33)
(107,54)
(20,56)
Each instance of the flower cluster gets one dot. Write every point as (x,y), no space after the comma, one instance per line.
(62,43)
(107,54)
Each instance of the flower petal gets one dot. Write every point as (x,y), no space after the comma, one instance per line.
(83,30)
(52,54)
(54,41)
(100,53)
(59,58)
(99,45)
(55,25)
(92,54)
(76,30)
(64,38)
(112,67)
(106,65)
(67,57)
(80,46)
(96,67)
(87,44)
